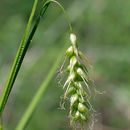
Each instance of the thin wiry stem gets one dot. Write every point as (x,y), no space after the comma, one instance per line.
(19,59)
(23,49)
(35,101)
(17,62)
(65,13)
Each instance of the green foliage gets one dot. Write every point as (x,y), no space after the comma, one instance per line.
(103,31)
(17,63)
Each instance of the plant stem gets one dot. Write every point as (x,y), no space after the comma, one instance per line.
(36,99)
(17,62)
(23,49)
(65,13)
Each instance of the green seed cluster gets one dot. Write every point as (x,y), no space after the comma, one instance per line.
(76,85)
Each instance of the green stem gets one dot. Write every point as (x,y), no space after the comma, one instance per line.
(38,96)
(17,62)
(21,54)
(23,49)
(36,99)
(65,13)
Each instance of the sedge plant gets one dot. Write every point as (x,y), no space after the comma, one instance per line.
(75,65)
(77,85)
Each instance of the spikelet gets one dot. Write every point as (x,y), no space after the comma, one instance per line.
(77,84)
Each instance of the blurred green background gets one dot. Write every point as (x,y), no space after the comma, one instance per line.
(103,31)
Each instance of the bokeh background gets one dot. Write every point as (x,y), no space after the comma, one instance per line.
(103,31)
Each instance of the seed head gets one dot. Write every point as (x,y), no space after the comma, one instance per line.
(79,99)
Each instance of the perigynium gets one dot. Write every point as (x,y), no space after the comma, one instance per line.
(77,89)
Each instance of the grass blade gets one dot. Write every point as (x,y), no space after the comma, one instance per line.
(17,62)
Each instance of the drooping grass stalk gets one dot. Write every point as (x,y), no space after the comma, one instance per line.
(79,107)
(36,99)
(65,13)
(21,53)
(39,94)
(17,62)
(23,49)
